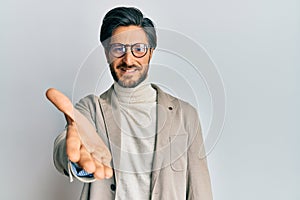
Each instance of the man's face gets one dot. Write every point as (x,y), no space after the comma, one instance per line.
(128,70)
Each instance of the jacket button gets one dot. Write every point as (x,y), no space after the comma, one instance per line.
(113,187)
(66,173)
(170,108)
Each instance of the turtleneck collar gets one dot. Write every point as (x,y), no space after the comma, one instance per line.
(142,93)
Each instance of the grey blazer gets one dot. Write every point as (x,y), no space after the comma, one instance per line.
(180,167)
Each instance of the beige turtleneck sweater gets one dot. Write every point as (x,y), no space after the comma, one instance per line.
(138,128)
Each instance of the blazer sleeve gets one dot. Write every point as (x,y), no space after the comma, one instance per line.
(198,179)
(60,157)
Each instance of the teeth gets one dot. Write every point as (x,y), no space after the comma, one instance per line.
(129,70)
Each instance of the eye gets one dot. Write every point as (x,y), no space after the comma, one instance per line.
(139,48)
(117,49)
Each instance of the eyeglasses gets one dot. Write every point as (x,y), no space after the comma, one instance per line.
(118,50)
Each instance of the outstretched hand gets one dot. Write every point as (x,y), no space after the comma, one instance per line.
(83,147)
(77,153)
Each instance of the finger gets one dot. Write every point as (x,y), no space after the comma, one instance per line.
(61,101)
(105,171)
(86,161)
(99,173)
(73,144)
(108,172)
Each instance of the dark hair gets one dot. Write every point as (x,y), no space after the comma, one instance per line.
(126,16)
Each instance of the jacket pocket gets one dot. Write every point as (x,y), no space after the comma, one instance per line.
(178,152)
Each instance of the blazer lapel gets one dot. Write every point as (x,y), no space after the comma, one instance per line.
(165,117)
(111,117)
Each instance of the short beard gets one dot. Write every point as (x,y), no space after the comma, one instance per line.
(130,84)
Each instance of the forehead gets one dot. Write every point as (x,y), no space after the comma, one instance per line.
(129,35)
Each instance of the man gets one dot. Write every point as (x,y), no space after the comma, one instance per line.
(154,138)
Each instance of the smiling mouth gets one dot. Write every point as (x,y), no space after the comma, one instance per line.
(128,70)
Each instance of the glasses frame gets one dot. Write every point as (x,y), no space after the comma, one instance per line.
(126,49)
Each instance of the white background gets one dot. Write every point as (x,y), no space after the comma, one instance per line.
(255,45)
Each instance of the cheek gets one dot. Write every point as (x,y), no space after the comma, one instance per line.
(115,62)
(145,61)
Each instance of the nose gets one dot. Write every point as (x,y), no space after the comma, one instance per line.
(128,58)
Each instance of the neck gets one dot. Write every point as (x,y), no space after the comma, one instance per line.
(142,93)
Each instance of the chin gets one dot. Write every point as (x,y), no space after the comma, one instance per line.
(128,84)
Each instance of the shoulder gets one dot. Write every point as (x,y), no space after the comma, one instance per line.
(167,99)
(91,102)
(87,102)
(182,112)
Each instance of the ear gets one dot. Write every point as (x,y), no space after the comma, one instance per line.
(150,53)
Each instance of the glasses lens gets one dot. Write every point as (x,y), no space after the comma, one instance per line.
(117,50)
(139,49)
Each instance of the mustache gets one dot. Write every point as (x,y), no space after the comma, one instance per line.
(125,66)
